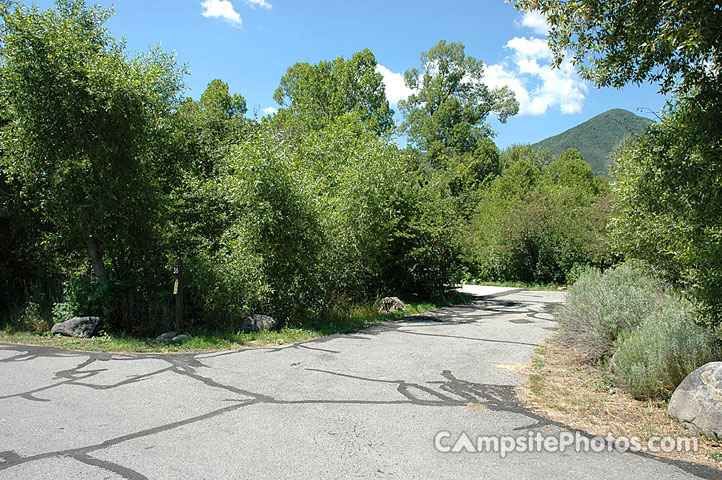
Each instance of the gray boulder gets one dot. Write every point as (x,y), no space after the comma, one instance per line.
(697,401)
(166,337)
(258,323)
(391,304)
(77,327)
(172,337)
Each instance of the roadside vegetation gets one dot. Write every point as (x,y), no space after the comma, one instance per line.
(626,341)
(637,332)
(561,386)
(630,334)
(110,174)
(342,319)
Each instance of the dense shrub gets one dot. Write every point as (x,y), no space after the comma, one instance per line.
(425,257)
(386,230)
(329,214)
(627,321)
(651,360)
(601,306)
(540,157)
(537,225)
(82,296)
(667,201)
(21,238)
(267,256)
(32,309)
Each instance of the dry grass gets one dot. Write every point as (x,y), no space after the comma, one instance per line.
(560,387)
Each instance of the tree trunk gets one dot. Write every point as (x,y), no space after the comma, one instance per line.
(96,258)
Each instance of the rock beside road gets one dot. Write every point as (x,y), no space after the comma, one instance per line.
(258,323)
(172,337)
(391,304)
(165,337)
(697,401)
(77,327)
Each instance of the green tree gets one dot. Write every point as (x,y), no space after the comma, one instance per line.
(571,171)
(667,202)
(447,112)
(217,103)
(82,118)
(673,43)
(319,93)
(471,170)
(666,185)
(514,153)
(537,225)
(208,127)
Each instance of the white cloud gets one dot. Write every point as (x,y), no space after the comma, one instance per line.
(497,76)
(536,48)
(269,111)
(258,3)
(396,89)
(536,21)
(221,9)
(538,87)
(527,71)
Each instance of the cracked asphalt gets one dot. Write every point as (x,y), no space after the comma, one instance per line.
(361,405)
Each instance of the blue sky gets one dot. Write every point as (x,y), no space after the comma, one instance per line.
(250,43)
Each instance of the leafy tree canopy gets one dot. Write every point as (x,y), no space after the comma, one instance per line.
(217,102)
(573,173)
(209,126)
(322,92)
(447,111)
(82,118)
(515,153)
(615,42)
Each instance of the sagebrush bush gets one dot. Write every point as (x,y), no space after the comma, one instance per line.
(653,359)
(601,306)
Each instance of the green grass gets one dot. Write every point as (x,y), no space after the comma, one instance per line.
(538,363)
(342,320)
(536,384)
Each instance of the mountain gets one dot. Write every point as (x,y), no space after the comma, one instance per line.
(596,138)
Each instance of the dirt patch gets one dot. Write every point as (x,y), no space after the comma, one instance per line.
(560,387)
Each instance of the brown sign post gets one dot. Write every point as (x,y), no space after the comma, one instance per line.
(178,292)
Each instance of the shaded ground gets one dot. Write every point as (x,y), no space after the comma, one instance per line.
(361,405)
(343,318)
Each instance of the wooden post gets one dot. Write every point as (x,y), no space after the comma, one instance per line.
(178,291)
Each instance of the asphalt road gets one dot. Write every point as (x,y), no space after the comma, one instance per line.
(364,405)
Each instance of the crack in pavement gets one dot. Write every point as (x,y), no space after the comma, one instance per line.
(448,391)
(82,452)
